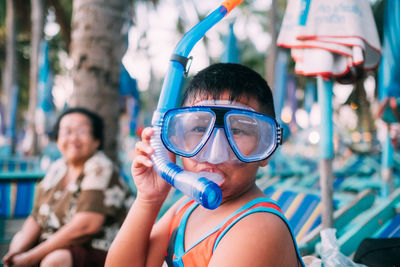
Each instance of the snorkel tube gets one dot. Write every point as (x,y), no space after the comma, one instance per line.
(194,185)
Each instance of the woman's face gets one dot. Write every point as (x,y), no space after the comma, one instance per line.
(75,138)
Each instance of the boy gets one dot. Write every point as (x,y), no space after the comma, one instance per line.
(246,229)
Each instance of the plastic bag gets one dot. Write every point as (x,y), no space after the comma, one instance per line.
(312,261)
(330,253)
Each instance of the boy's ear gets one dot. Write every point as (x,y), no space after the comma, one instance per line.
(264,162)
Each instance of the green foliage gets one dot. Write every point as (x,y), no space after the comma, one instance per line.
(56,45)
(378,9)
(67,6)
(22,77)
(2,13)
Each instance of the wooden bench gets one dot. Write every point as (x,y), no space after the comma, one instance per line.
(18,181)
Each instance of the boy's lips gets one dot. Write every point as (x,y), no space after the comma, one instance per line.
(214,175)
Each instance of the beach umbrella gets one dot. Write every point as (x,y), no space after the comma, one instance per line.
(332,40)
(2,120)
(292,99)
(45,110)
(389,78)
(280,82)
(281,79)
(129,97)
(231,51)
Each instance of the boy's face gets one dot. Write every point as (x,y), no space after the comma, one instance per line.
(238,177)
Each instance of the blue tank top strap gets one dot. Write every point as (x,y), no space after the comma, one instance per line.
(180,235)
(177,262)
(179,250)
(246,206)
(249,205)
(182,204)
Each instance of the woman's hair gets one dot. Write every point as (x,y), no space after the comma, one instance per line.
(238,80)
(95,120)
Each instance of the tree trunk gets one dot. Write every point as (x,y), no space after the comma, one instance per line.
(10,68)
(37,17)
(97,47)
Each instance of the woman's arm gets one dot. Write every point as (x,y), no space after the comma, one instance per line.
(82,224)
(23,240)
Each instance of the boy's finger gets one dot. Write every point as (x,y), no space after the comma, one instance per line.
(140,161)
(142,148)
(147,133)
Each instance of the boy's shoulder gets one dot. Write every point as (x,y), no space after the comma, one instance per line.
(262,236)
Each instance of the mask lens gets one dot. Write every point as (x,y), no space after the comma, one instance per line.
(245,132)
(187,130)
(252,136)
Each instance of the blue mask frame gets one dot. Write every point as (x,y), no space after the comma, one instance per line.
(220,119)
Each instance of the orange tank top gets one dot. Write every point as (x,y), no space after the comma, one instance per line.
(200,253)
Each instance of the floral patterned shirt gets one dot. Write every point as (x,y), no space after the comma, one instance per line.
(99,189)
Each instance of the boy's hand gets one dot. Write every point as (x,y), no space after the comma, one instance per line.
(150,186)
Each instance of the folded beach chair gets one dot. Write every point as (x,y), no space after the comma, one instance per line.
(303,209)
(381,220)
(287,166)
(390,229)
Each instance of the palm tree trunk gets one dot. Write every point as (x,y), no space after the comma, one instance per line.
(10,72)
(97,47)
(37,17)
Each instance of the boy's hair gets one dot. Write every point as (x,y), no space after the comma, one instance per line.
(95,120)
(238,80)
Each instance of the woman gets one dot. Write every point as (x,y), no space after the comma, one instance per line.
(80,203)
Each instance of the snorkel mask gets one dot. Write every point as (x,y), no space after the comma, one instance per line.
(220,131)
(198,186)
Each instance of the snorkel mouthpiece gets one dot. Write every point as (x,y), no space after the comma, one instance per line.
(194,185)
(199,188)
